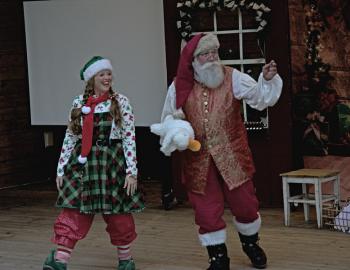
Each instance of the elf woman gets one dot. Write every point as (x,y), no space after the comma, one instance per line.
(97,169)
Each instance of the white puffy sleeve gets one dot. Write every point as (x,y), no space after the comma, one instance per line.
(128,139)
(69,141)
(169,107)
(258,95)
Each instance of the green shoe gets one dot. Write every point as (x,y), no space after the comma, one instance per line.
(127,265)
(51,264)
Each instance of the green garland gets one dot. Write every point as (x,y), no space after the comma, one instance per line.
(186,8)
(317,71)
(314,104)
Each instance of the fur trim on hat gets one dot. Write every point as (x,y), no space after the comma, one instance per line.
(96,67)
(207,42)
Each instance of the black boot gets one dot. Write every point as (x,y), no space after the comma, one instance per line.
(169,201)
(218,257)
(255,253)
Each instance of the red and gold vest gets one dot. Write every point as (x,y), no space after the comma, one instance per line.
(217,122)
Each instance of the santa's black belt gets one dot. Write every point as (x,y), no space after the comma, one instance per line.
(105,142)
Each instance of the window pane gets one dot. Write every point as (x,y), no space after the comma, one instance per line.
(238,67)
(259,117)
(203,20)
(227,20)
(229,46)
(253,70)
(248,19)
(251,48)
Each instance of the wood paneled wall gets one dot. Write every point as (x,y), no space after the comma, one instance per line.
(21,146)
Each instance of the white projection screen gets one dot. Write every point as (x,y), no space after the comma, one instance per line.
(61,35)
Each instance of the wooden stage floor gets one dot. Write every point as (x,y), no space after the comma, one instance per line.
(167,240)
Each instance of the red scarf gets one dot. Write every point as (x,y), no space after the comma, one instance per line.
(88,123)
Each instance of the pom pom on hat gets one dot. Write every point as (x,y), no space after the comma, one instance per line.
(93,66)
(85,109)
(82,160)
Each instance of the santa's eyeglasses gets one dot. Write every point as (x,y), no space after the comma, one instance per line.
(214,52)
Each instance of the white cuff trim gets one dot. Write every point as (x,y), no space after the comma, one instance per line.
(213,238)
(248,228)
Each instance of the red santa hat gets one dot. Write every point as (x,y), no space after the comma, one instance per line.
(206,43)
(185,74)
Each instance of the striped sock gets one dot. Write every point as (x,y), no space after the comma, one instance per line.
(63,254)
(124,252)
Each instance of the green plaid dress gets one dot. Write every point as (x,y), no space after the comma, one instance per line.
(97,185)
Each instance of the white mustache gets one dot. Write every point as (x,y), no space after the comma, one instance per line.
(208,65)
(210,74)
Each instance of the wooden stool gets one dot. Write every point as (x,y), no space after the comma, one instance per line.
(315,177)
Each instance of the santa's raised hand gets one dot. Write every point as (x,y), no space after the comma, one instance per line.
(269,70)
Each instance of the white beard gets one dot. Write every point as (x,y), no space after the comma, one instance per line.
(210,74)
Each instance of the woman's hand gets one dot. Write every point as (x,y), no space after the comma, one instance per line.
(130,185)
(59,182)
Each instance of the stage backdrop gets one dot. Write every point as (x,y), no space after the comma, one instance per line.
(62,35)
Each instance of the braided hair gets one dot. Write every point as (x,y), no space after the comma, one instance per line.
(75,117)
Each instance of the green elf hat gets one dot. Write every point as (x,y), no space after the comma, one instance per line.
(93,66)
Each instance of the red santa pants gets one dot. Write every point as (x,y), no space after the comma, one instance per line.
(209,207)
(72,226)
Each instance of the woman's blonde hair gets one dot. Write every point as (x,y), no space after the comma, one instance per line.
(75,117)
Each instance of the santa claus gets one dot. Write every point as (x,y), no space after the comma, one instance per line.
(208,95)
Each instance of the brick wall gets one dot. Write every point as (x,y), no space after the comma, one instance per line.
(297,43)
(335,41)
(21,146)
